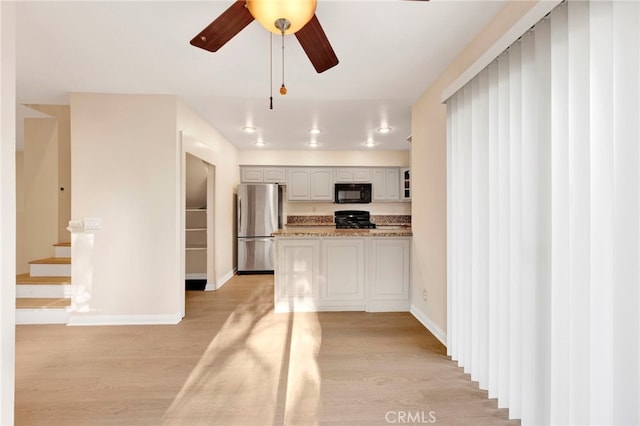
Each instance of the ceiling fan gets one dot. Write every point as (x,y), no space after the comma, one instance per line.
(278,16)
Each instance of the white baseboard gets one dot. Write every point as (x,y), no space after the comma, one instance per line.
(222,281)
(429,324)
(195,276)
(81,320)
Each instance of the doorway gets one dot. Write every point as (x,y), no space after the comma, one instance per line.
(197,174)
(197,219)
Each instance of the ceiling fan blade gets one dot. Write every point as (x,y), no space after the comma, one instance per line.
(315,44)
(224,27)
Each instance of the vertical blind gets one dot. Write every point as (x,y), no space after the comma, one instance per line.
(543,220)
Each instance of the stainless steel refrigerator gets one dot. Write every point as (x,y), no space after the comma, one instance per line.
(259,215)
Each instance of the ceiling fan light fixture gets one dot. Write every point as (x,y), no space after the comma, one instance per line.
(297,12)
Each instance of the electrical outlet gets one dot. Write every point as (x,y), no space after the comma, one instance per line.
(424,295)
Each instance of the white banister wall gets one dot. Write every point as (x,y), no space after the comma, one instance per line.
(543,188)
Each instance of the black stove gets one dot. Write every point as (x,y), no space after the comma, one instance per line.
(353,219)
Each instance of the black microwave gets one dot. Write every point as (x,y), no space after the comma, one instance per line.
(352,193)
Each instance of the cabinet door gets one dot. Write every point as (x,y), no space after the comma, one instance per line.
(386,184)
(393,184)
(298,184)
(379,185)
(389,279)
(274,175)
(344,175)
(251,174)
(321,184)
(343,271)
(296,274)
(362,175)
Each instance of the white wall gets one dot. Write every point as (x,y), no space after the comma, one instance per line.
(40,187)
(196,182)
(428,168)
(127,166)
(7,211)
(61,114)
(125,172)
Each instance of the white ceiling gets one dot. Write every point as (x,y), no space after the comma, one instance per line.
(389,50)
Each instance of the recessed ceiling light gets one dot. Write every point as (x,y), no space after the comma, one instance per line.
(314,131)
(313,144)
(249,129)
(384,130)
(259,142)
(370,143)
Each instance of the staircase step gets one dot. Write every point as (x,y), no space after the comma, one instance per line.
(43,290)
(50,266)
(42,311)
(62,249)
(43,303)
(29,279)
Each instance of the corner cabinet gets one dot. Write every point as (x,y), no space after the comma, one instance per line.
(310,184)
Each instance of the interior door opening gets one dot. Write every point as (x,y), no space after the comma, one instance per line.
(198,223)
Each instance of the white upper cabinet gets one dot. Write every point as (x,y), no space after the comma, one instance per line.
(298,184)
(353,175)
(274,175)
(251,174)
(310,184)
(317,183)
(386,184)
(262,175)
(321,184)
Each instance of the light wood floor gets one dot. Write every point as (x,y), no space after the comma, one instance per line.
(232,361)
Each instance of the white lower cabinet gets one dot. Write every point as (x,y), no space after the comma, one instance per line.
(342,274)
(389,275)
(297,275)
(342,283)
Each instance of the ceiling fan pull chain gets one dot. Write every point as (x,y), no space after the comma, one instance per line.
(270,70)
(283,89)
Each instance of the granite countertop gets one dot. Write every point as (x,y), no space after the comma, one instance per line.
(331,231)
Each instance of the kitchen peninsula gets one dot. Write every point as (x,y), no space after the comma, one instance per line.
(320,268)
